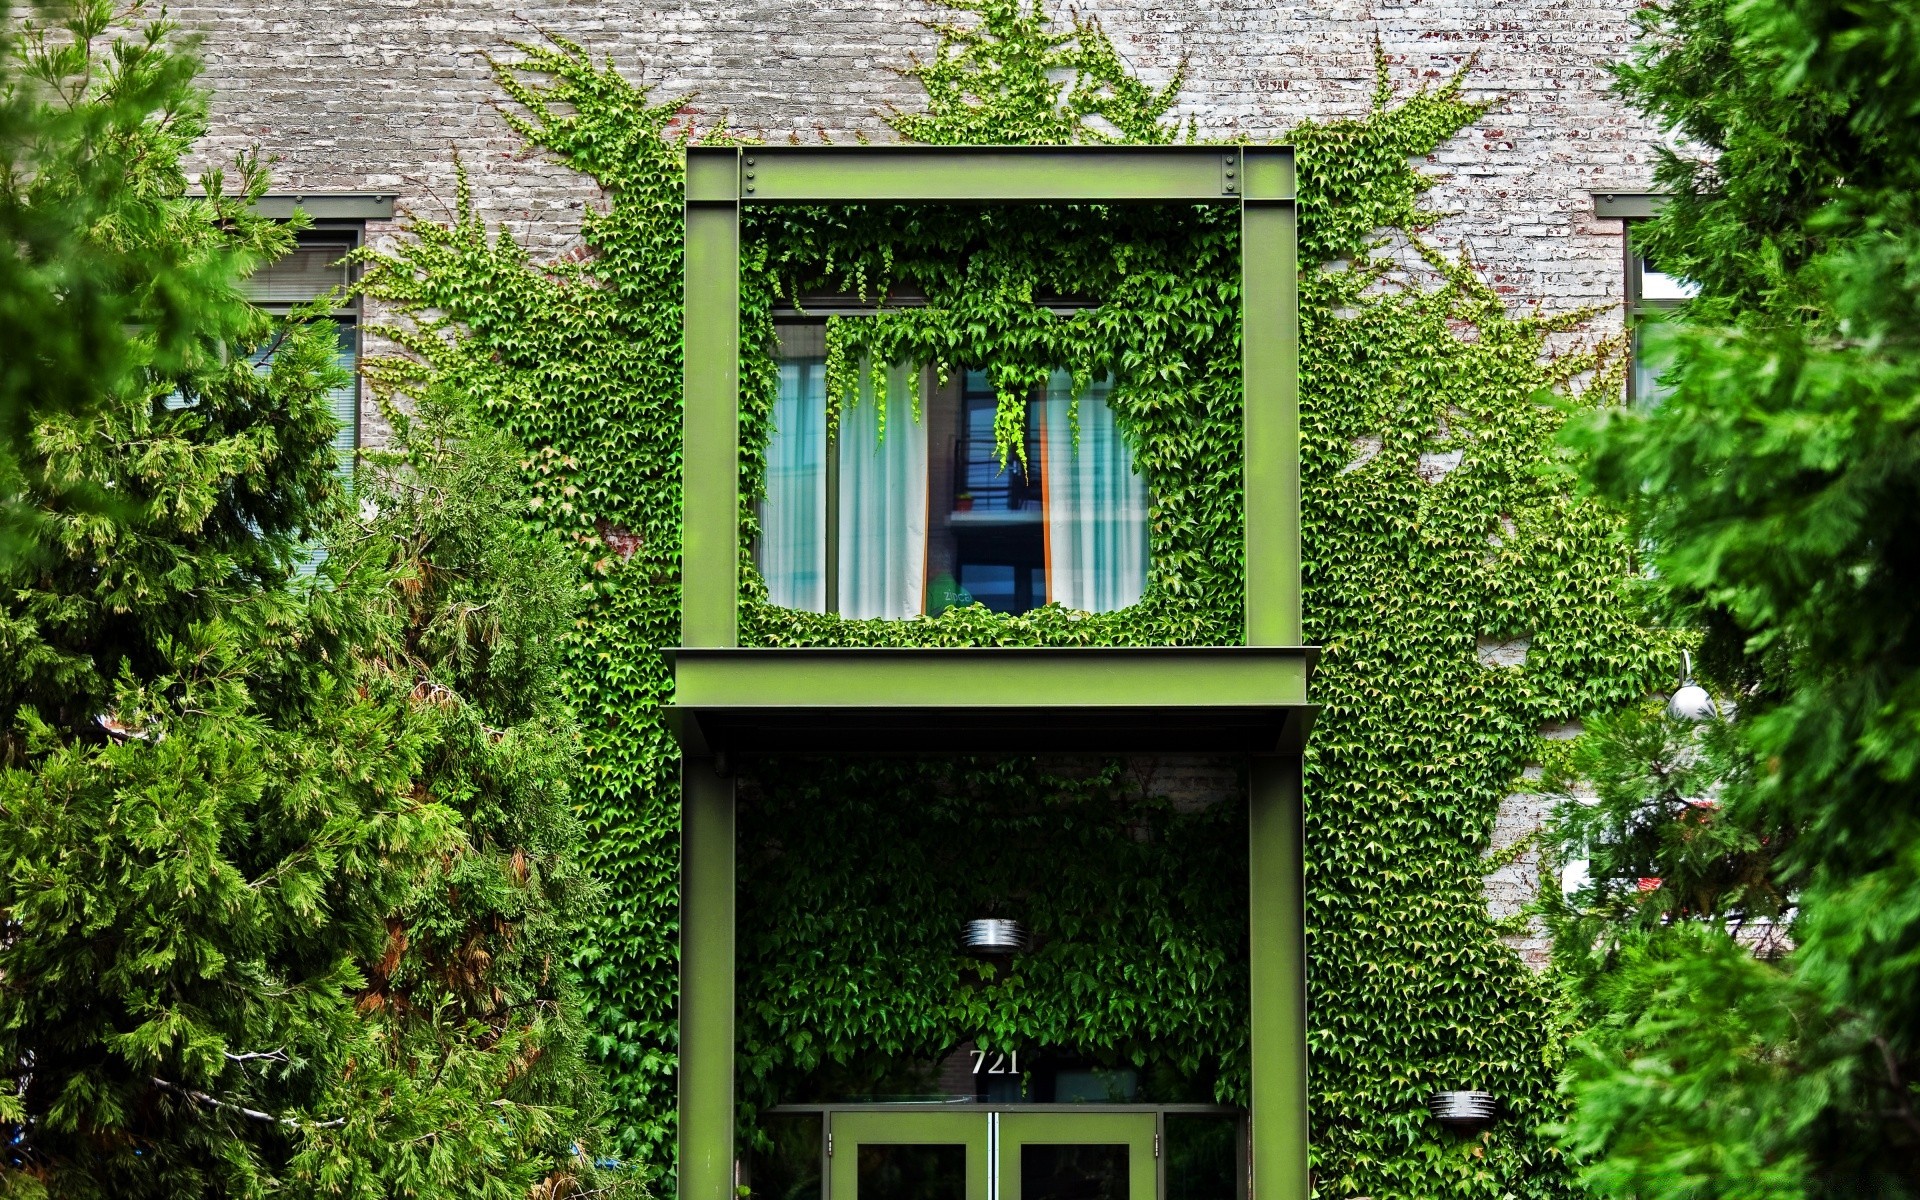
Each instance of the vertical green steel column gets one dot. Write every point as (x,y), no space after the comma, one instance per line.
(706,982)
(1270,379)
(1277,962)
(710,445)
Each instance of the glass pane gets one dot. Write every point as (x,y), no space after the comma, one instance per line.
(1068,526)
(793,521)
(883,501)
(310,270)
(787,1167)
(913,1172)
(1096,505)
(1647,390)
(1202,1156)
(1078,1172)
(1656,284)
(1096,1086)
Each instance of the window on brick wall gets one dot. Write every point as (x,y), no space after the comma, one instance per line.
(1652,295)
(316,266)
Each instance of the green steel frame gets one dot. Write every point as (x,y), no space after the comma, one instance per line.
(730,700)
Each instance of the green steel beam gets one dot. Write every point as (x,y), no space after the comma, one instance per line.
(1270,370)
(710,445)
(990,174)
(706,982)
(1277,967)
(994,676)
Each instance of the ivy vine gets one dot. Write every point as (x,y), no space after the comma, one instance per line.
(1434,519)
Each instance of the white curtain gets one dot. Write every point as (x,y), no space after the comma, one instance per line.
(793,522)
(883,502)
(1096,505)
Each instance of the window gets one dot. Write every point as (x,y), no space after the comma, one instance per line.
(923,517)
(316,266)
(1651,294)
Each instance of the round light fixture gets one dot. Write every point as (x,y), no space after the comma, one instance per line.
(1690,701)
(992,936)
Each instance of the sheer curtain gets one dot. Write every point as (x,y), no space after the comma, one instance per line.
(793,521)
(883,502)
(1096,505)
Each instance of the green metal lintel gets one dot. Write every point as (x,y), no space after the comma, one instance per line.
(1004,174)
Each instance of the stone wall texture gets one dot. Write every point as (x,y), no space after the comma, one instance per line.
(387,95)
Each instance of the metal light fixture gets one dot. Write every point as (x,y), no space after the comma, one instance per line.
(1463,1110)
(991,937)
(1691,701)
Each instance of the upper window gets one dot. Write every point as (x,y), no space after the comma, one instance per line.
(1651,293)
(317,265)
(922,516)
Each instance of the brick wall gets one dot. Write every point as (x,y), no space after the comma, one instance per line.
(384,95)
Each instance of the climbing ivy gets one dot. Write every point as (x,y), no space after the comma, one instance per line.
(1434,520)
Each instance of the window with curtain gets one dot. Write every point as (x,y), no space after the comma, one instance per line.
(1095,504)
(924,517)
(793,543)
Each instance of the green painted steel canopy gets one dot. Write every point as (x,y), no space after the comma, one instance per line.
(998,699)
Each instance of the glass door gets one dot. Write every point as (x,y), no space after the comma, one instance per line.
(907,1156)
(1076,1156)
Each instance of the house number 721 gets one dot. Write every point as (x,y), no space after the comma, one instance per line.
(985,1063)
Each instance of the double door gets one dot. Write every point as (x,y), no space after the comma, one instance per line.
(961,1155)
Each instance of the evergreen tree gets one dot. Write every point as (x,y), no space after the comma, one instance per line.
(288,876)
(1778,491)
(479,1085)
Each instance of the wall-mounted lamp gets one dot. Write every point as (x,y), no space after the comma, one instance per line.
(992,937)
(1465,1111)
(1691,701)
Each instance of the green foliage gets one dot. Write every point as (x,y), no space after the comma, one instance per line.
(1657,846)
(290,875)
(1011,78)
(473,1081)
(1166,331)
(580,362)
(847,966)
(848,971)
(1776,491)
(106,278)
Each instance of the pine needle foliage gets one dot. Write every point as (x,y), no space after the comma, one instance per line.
(290,875)
(106,279)
(1410,359)
(1777,490)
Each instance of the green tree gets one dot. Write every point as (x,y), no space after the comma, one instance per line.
(1778,491)
(475,1082)
(288,873)
(106,278)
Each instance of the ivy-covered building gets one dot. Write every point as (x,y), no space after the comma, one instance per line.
(1076,605)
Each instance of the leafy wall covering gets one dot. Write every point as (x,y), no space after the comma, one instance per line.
(1406,569)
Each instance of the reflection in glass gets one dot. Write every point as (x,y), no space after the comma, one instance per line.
(912,1172)
(787,1166)
(1647,389)
(793,519)
(1075,1172)
(1096,506)
(1203,1156)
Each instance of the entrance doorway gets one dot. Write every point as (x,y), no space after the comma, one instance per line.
(994,1155)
